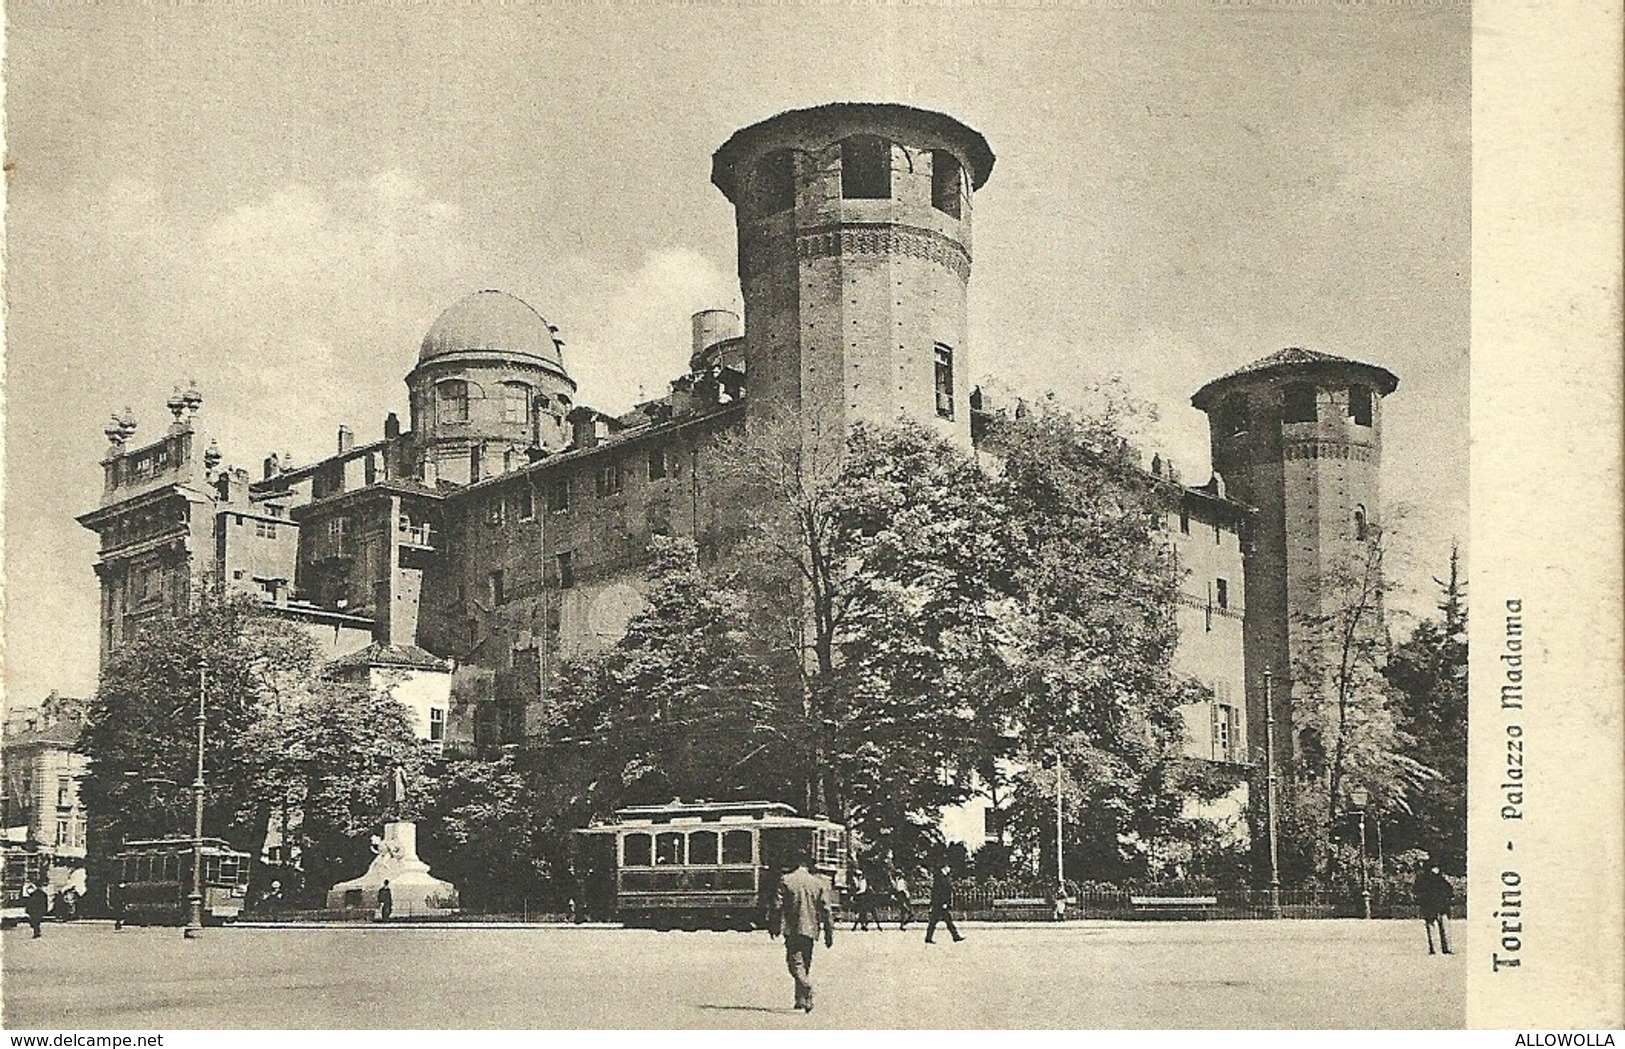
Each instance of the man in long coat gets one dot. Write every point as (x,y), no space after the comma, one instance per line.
(1434,895)
(801,909)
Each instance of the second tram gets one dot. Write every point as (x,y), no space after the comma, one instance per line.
(157,880)
(699,865)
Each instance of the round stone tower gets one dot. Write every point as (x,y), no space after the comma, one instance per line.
(489,385)
(1297,436)
(854,227)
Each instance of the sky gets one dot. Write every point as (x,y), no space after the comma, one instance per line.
(278,201)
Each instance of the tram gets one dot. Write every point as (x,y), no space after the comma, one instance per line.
(157,880)
(20,866)
(699,865)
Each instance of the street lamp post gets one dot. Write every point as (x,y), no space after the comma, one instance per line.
(1269,793)
(194,916)
(1359,796)
(1060,829)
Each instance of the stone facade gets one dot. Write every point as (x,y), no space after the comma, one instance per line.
(507,528)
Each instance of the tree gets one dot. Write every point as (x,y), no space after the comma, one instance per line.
(1343,713)
(489,832)
(682,705)
(1428,672)
(321,759)
(1093,679)
(140,737)
(281,743)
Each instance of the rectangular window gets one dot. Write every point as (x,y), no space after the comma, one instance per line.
(494,510)
(337,527)
(657,463)
(524,503)
(736,848)
(945,182)
(702,848)
(558,496)
(609,480)
(1360,405)
(1298,403)
(567,575)
(265,529)
(636,850)
(516,403)
(495,586)
(1224,732)
(865,168)
(669,849)
(437,724)
(945,381)
(64,835)
(1223,592)
(64,793)
(1184,521)
(452,401)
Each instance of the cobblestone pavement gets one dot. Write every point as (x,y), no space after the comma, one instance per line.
(1217,974)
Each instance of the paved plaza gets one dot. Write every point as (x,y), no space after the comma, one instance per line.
(1216,974)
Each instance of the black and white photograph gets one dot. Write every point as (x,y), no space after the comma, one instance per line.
(788,517)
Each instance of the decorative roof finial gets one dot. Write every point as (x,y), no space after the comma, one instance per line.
(192,398)
(211,455)
(176,403)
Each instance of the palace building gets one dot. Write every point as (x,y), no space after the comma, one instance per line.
(458,559)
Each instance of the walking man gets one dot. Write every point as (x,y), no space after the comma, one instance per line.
(942,897)
(899,895)
(801,909)
(35,904)
(1434,895)
(386,901)
(115,903)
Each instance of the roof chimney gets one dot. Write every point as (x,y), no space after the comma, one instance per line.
(346,439)
(392,426)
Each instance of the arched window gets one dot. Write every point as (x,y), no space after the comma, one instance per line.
(1359,523)
(1298,403)
(451,401)
(775,182)
(865,168)
(516,403)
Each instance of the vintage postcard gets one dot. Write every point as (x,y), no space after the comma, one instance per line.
(813,516)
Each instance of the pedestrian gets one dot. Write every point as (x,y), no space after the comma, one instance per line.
(801,908)
(115,903)
(35,904)
(942,898)
(1060,901)
(863,900)
(386,901)
(1434,895)
(899,895)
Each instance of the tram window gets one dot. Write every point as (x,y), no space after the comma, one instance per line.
(636,847)
(702,847)
(736,847)
(669,849)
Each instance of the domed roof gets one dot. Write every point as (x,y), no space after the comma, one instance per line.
(492,320)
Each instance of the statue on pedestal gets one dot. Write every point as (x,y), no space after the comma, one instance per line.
(412,891)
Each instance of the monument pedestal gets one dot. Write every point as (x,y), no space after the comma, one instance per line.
(413,891)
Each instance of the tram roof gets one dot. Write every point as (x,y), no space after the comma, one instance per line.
(733,812)
(154,844)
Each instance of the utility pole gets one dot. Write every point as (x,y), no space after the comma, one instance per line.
(1060,836)
(1269,761)
(194,917)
